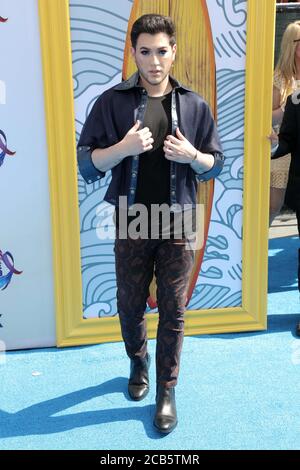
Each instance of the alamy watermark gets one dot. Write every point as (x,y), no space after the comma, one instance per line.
(159,221)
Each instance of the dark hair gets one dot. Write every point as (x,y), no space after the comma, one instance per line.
(153,24)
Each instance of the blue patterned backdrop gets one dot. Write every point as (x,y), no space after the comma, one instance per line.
(98,39)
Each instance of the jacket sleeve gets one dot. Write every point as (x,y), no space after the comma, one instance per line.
(92,136)
(288,131)
(210,144)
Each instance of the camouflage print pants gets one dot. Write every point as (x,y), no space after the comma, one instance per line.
(172,263)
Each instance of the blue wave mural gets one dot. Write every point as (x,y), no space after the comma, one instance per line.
(220,279)
(98,33)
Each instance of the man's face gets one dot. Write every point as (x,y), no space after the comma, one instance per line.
(154,57)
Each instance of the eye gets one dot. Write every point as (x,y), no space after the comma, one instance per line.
(144,52)
(163,52)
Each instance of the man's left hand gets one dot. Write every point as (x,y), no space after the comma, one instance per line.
(179,149)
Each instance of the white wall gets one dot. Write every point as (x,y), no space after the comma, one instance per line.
(27,304)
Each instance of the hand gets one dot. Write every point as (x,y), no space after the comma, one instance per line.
(137,141)
(179,149)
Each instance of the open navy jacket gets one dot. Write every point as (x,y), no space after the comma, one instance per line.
(116,111)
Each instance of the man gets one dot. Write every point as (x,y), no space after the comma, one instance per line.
(288,142)
(158,138)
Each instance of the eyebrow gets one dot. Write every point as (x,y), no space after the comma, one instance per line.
(297,40)
(148,48)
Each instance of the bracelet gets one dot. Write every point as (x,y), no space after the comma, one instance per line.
(194,158)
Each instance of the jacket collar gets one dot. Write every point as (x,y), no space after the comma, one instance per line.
(132,82)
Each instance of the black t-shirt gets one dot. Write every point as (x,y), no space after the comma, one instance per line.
(153,184)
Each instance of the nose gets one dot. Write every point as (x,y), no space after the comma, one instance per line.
(155,59)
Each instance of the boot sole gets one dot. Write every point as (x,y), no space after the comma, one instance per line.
(139,398)
(165,431)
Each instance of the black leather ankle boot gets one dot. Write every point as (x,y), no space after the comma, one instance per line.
(165,419)
(138,384)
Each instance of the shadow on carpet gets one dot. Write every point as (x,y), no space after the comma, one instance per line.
(38,419)
(283,264)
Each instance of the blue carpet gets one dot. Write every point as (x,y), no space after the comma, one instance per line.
(236,391)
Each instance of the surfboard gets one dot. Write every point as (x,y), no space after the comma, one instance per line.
(194,67)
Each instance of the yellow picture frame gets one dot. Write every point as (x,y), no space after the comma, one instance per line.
(72,329)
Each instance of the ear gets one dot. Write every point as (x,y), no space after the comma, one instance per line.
(132,52)
(174,49)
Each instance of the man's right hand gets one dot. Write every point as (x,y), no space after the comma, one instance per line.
(137,141)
